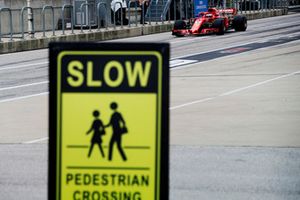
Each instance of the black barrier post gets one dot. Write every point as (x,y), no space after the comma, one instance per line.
(193,10)
(149,10)
(143,13)
(156,11)
(180,9)
(174,15)
(169,15)
(186,9)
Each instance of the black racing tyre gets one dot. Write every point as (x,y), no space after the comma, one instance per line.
(178,35)
(179,24)
(240,23)
(219,23)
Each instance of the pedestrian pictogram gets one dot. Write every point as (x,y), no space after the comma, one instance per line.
(115,122)
(108,121)
(98,129)
(118,126)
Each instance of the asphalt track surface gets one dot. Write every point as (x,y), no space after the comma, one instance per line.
(235,115)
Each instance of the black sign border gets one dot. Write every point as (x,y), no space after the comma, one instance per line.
(54,49)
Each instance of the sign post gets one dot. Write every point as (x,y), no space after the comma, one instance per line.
(109,121)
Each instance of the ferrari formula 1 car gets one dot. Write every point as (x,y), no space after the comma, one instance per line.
(212,21)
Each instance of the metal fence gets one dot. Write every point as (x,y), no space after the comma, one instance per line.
(184,9)
(14,22)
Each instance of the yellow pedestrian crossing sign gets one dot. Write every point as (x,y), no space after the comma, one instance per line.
(109,121)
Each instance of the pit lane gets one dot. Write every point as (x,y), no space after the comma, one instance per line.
(234,119)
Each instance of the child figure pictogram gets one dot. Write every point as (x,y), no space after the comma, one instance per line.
(98,129)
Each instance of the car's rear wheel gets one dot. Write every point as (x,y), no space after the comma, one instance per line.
(240,23)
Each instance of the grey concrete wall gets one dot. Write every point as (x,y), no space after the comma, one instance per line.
(18,4)
(37,12)
(37,5)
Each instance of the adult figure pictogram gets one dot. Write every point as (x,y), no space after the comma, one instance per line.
(119,127)
(98,129)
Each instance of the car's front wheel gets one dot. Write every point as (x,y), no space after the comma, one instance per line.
(179,24)
(219,24)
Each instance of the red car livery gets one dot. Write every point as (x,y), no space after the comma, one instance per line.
(212,21)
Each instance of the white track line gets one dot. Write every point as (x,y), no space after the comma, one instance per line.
(23,97)
(191,103)
(233,91)
(24,53)
(171,66)
(188,38)
(23,66)
(25,85)
(202,100)
(257,84)
(35,141)
(230,55)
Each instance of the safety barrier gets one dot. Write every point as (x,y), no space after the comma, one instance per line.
(10,22)
(174,9)
(156,11)
(143,12)
(149,21)
(99,16)
(166,10)
(43,14)
(186,10)
(63,17)
(129,14)
(115,14)
(22,21)
(89,16)
(180,9)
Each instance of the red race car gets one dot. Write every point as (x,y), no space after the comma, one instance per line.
(212,21)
